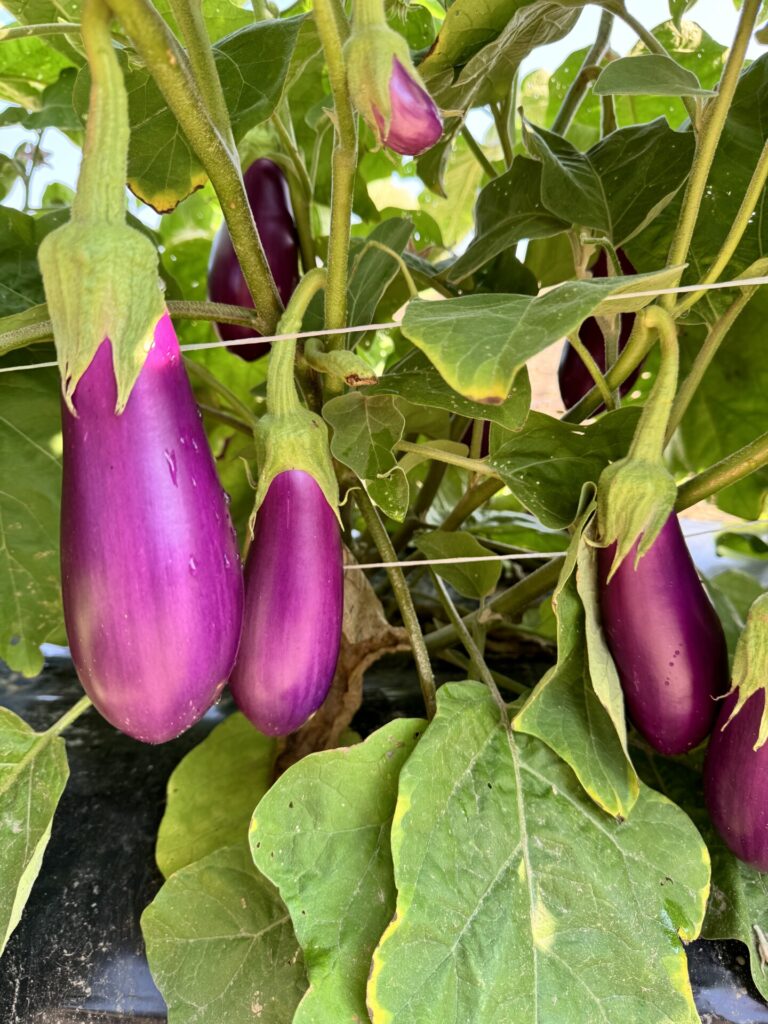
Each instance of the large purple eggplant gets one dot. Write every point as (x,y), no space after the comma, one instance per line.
(666,641)
(151,577)
(268,197)
(293,606)
(736,781)
(572,375)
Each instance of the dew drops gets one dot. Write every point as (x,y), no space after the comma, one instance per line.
(170,458)
(227,562)
(192,565)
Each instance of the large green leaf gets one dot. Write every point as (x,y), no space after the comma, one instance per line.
(33,774)
(472,579)
(27,66)
(547,463)
(519,900)
(648,74)
(732,594)
(621,184)
(20,283)
(222,17)
(220,944)
(212,793)
(480,342)
(321,835)
(30,482)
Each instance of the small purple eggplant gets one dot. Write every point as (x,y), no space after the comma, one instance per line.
(268,197)
(293,607)
(666,640)
(151,578)
(573,377)
(415,124)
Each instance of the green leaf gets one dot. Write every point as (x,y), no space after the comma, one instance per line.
(321,835)
(221,16)
(480,342)
(581,721)
(471,579)
(508,209)
(27,67)
(33,774)
(20,283)
(372,270)
(679,8)
(30,471)
(732,593)
(648,74)
(621,184)
(365,432)
(518,899)
(212,793)
(519,530)
(452,212)
(220,944)
(420,383)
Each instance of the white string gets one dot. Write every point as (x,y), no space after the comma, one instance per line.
(620,297)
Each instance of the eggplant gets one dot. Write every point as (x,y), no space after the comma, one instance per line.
(151,577)
(415,124)
(573,377)
(293,606)
(666,640)
(270,204)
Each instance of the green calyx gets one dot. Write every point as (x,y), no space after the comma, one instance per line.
(750,664)
(368,55)
(101,276)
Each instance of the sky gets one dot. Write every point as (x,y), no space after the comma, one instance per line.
(717,17)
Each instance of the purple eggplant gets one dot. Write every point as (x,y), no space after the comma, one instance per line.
(666,641)
(415,124)
(270,203)
(151,578)
(573,376)
(293,607)
(736,781)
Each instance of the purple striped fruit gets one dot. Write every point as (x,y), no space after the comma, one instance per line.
(151,578)
(293,607)
(268,198)
(666,641)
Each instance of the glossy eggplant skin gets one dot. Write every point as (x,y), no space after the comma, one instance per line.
(666,640)
(736,781)
(268,197)
(415,124)
(293,607)
(572,375)
(151,577)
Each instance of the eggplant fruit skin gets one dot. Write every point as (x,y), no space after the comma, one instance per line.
(736,781)
(270,204)
(572,375)
(293,607)
(415,124)
(666,640)
(151,577)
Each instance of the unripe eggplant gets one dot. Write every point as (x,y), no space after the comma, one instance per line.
(151,578)
(270,203)
(666,640)
(293,607)
(415,123)
(736,781)
(574,378)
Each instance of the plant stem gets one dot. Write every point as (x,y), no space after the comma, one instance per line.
(727,471)
(477,151)
(282,396)
(713,122)
(594,370)
(52,28)
(439,455)
(471,500)
(68,717)
(374,243)
(588,71)
(332,27)
(734,236)
(476,658)
(402,594)
(704,357)
(218,311)
(454,658)
(503,133)
(227,418)
(648,440)
(189,16)
(24,336)
(168,65)
(213,382)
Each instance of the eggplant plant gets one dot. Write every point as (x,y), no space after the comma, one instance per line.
(553,567)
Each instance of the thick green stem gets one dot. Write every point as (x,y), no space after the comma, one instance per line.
(69,717)
(189,17)
(648,441)
(220,312)
(589,70)
(704,357)
(712,126)
(52,28)
(282,396)
(100,197)
(168,65)
(477,151)
(332,28)
(473,499)
(729,470)
(403,597)
(451,458)
(502,130)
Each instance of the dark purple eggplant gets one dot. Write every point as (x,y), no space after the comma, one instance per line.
(268,197)
(573,376)
(151,579)
(666,641)
(293,607)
